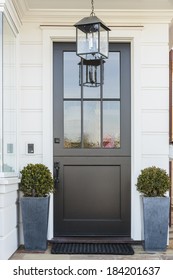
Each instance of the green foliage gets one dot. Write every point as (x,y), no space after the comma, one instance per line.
(153,181)
(36,180)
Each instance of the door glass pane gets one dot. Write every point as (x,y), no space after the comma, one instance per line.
(111,86)
(111,124)
(72,124)
(91,92)
(71,75)
(91,124)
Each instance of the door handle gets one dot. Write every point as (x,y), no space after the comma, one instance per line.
(56,171)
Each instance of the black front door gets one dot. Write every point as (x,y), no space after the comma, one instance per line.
(92,132)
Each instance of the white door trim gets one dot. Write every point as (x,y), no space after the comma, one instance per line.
(117,34)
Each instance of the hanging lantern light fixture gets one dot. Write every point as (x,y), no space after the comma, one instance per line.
(92,37)
(91,72)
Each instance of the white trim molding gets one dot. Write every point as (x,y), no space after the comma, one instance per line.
(7,7)
(110,17)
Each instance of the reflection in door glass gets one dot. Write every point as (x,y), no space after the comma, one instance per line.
(91,114)
(111,86)
(91,92)
(72,124)
(71,75)
(91,135)
(111,124)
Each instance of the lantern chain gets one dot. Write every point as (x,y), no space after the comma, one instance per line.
(92,7)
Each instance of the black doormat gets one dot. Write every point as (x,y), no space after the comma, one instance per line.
(92,248)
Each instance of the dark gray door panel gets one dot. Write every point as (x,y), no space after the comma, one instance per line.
(92,144)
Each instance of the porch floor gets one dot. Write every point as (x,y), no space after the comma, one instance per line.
(140,254)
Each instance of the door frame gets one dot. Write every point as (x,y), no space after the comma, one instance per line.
(121,34)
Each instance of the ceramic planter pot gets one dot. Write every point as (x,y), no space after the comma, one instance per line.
(35,212)
(156,222)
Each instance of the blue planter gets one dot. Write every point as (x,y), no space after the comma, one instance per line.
(156,222)
(35,222)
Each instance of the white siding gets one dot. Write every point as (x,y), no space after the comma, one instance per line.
(155,95)
(30,93)
(154,99)
(157,34)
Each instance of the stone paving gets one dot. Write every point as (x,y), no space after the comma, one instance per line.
(140,254)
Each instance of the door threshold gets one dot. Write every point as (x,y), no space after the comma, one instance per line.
(91,239)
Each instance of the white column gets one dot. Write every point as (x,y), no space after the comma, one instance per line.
(8,217)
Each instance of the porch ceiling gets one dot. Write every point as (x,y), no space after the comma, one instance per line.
(99,4)
(122,12)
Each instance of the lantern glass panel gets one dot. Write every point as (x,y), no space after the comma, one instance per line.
(104,39)
(91,73)
(81,43)
(92,41)
(87,42)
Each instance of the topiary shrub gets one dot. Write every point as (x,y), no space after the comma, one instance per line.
(153,181)
(36,180)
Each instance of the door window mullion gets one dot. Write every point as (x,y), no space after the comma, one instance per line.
(101,107)
(82,111)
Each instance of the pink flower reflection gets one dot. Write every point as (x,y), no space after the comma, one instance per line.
(108,142)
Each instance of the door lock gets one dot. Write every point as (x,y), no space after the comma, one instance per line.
(57,140)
